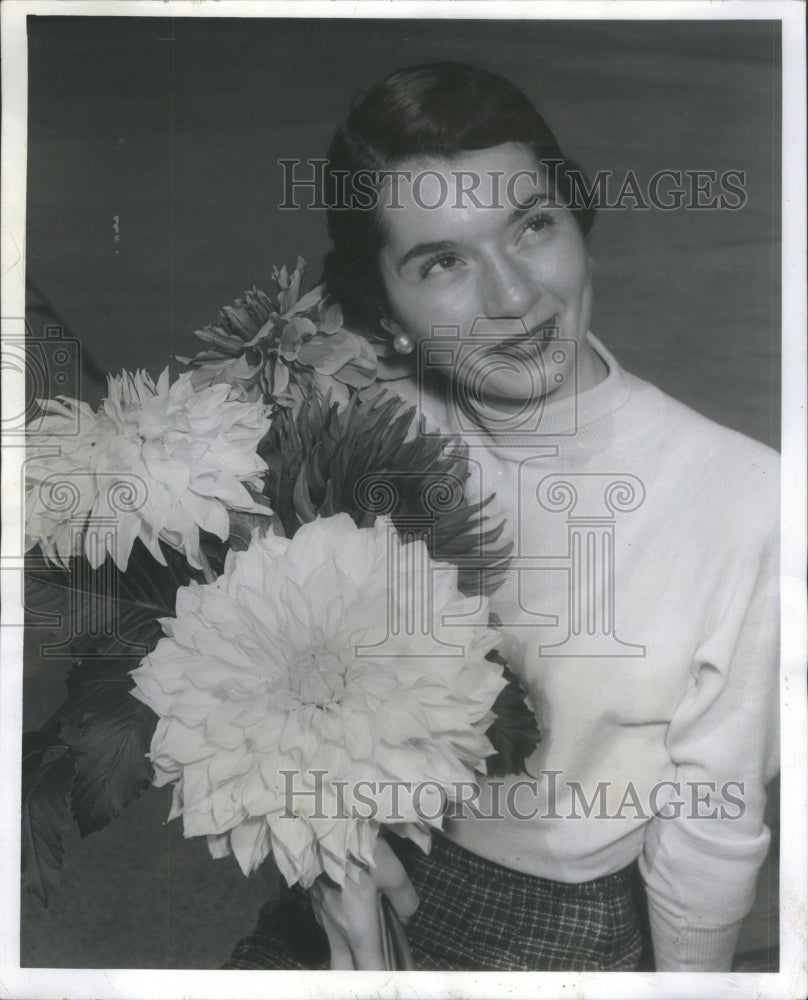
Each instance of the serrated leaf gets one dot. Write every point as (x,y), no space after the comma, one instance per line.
(48,765)
(108,613)
(91,686)
(514,733)
(112,768)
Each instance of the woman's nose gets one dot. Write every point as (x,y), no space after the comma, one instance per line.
(510,291)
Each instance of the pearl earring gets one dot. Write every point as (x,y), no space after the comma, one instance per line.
(403,343)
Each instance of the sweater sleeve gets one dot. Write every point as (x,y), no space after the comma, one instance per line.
(700,865)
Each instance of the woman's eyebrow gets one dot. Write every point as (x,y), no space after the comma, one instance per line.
(420,249)
(442,246)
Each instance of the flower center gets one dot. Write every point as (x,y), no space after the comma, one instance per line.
(318,678)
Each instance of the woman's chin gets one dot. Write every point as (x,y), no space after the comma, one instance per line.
(508,398)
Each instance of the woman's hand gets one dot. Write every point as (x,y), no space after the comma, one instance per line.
(350,915)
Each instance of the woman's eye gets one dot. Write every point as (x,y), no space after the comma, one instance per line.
(538,223)
(445,262)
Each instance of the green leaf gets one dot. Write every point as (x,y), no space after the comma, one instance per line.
(48,764)
(514,732)
(88,685)
(116,732)
(112,619)
(107,613)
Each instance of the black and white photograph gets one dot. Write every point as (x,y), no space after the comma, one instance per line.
(403,499)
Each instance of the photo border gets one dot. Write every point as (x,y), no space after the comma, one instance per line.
(791,980)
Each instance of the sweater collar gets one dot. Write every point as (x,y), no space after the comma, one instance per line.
(562,418)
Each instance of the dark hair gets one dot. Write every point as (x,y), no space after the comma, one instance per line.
(435,110)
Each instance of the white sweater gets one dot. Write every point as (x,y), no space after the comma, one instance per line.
(643,620)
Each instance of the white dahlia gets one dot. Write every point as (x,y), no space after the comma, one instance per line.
(279,688)
(158,462)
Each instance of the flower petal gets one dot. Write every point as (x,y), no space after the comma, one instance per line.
(258,680)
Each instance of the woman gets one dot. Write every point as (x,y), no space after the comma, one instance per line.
(641,611)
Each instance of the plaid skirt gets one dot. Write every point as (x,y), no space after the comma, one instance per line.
(473,915)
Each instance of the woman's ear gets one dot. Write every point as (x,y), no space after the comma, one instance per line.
(391,326)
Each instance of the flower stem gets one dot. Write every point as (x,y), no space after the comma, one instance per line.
(207,570)
(395,948)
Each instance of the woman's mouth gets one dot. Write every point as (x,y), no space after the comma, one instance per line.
(540,334)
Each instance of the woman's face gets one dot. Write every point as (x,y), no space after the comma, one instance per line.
(504,271)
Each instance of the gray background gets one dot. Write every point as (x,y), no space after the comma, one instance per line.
(175,126)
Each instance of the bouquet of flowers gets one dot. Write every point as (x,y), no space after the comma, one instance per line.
(277,349)
(273,592)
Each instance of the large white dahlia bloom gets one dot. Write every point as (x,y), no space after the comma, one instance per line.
(287,696)
(155,462)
